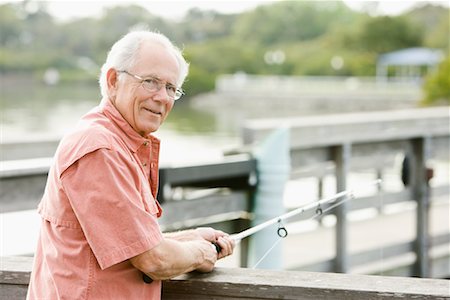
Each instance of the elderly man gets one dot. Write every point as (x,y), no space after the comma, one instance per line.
(99,234)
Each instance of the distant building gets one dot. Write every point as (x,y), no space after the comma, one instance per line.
(409,64)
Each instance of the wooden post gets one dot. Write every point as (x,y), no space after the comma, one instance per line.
(342,156)
(420,190)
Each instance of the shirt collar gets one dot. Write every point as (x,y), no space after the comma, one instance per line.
(133,139)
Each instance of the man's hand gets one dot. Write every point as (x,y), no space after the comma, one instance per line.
(209,256)
(226,244)
(211,235)
(218,237)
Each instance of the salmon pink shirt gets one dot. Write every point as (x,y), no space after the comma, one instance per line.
(98,211)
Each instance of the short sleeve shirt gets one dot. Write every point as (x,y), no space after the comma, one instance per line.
(99,209)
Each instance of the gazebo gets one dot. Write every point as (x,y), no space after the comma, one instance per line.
(408,63)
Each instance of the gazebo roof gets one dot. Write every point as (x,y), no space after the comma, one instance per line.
(411,57)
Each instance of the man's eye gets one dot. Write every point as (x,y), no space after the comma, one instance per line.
(151,81)
(171,88)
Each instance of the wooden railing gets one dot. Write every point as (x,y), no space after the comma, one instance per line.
(237,283)
(346,143)
(221,194)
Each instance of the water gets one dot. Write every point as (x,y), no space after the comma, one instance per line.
(188,135)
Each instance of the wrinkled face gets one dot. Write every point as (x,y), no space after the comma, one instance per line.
(145,111)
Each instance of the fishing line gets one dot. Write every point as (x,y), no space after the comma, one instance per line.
(319,212)
(348,195)
(267,253)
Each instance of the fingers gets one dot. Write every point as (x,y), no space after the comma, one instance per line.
(210,234)
(206,233)
(209,257)
(226,245)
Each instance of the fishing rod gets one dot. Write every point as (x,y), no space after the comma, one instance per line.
(248,232)
(282,232)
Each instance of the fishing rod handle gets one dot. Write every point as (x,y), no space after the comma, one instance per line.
(217,247)
(148,280)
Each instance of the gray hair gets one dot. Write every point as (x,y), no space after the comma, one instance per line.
(122,55)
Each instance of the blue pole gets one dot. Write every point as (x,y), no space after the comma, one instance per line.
(273,169)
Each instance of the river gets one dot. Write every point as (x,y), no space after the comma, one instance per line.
(188,135)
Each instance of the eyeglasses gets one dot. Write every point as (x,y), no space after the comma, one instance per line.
(153,84)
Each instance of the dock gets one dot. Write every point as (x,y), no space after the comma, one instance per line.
(404,231)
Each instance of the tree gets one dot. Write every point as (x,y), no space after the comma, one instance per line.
(10,26)
(434,21)
(385,34)
(290,21)
(437,84)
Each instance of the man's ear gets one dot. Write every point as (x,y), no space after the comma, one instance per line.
(111,82)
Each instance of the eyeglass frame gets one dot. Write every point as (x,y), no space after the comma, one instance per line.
(178,92)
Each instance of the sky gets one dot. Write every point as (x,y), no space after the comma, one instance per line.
(175,9)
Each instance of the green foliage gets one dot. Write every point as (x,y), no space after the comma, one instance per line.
(385,34)
(437,84)
(199,81)
(290,21)
(309,34)
(435,24)
(199,26)
(11,26)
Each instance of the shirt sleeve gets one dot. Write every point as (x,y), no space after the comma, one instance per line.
(107,194)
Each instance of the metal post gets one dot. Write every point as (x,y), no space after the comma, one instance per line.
(342,156)
(273,168)
(420,190)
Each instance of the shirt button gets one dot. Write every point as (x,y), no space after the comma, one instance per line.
(144,164)
(146,143)
(152,165)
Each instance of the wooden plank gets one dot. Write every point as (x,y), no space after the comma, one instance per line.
(15,269)
(177,213)
(322,266)
(237,172)
(28,148)
(440,191)
(317,131)
(312,158)
(437,240)
(374,255)
(238,283)
(267,284)
(21,193)
(24,167)
(228,168)
(440,147)
(439,268)
(439,265)
(380,199)
(13,291)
